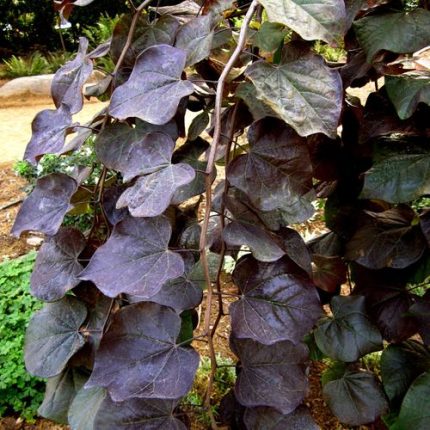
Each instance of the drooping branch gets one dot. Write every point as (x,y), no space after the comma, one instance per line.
(208,194)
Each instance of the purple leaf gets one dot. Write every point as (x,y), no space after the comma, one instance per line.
(45,207)
(155,88)
(302,90)
(195,37)
(387,301)
(271,419)
(277,168)
(276,304)
(328,273)
(85,407)
(420,310)
(181,293)
(261,243)
(387,239)
(153,414)
(110,197)
(57,268)
(272,375)
(49,129)
(53,336)
(138,355)
(135,259)
(133,151)
(151,194)
(69,79)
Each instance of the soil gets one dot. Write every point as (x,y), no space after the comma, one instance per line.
(15,127)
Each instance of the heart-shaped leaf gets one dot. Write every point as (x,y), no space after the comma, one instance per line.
(414,412)
(406,92)
(155,88)
(57,268)
(49,129)
(270,36)
(151,194)
(398,179)
(154,413)
(356,398)
(53,336)
(328,273)
(271,419)
(195,37)
(275,304)
(181,293)
(45,207)
(135,259)
(349,334)
(69,79)
(272,375)
(381,32)
(84,408)
(276,168)
(387,300)
(59,394)
(302,91)
(133,151)
(387,239)
(248,93)
(324,19)
(138,355)
(400,365)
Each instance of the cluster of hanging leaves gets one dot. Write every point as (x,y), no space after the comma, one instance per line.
(115,338)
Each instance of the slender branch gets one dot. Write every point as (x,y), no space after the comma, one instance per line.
(208,194)
(129,40)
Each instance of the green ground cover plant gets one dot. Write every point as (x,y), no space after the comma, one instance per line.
(20,393)
(274,129)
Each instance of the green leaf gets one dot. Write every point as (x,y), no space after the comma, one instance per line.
(356,398)
(59,394)
(269,36)
(320,19)
(415,411)
(349,334)
(399,32)
(302,91)
(84,408)
(406,92)
(400,365)
(248,93)
(398,179)
(53,336)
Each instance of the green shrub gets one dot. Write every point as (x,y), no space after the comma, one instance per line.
(20,393)
(17,67)
(57,59)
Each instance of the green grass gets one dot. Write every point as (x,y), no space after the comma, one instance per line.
(20,393)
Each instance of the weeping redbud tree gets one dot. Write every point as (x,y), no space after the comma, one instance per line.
(272,128)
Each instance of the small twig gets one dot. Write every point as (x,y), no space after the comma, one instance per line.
(13,203)
(129,40)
